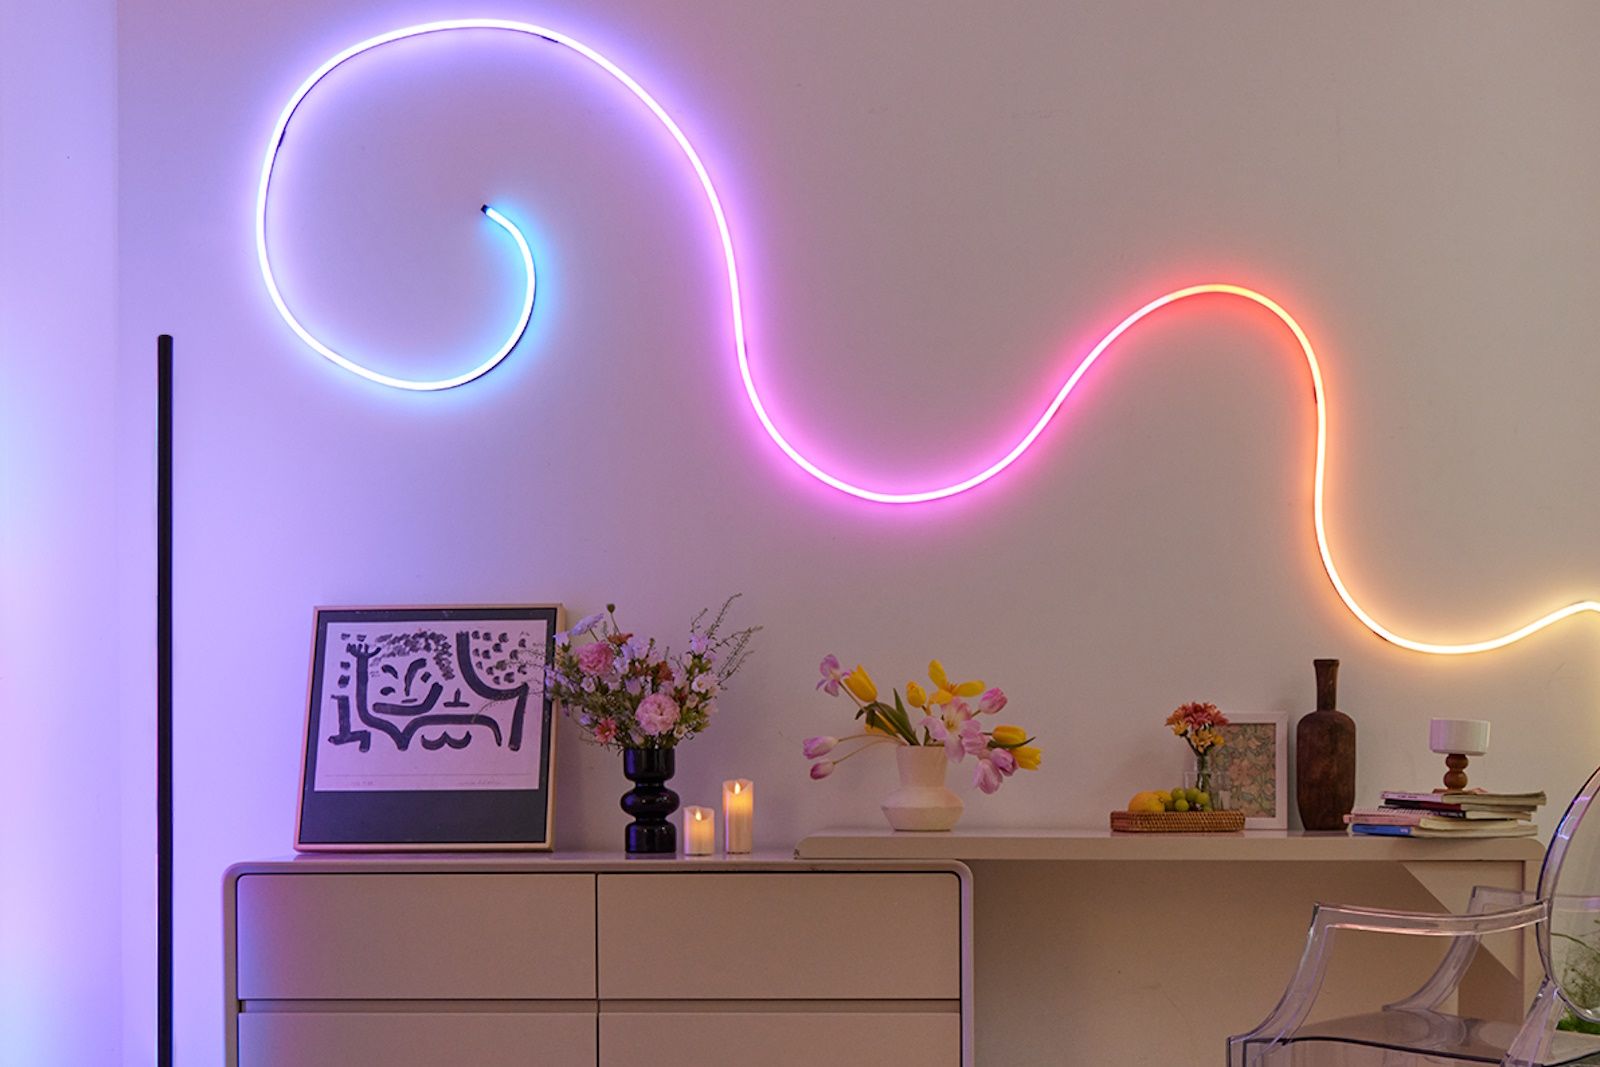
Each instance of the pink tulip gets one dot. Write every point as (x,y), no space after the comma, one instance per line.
(1003,761)
(991,702)
(986,777)
(819,746)
(821,769)
(831,675)
(974,742)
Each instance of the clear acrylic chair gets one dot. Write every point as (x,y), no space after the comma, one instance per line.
(1564,916)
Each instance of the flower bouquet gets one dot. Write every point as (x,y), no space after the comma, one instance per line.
(946,729)
(637,698)
(1197,724)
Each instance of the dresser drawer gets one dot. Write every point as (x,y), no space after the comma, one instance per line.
(416,1039)
(415,936)
(779,1039)
(780,936)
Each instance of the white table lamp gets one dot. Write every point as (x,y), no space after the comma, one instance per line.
(1456,739)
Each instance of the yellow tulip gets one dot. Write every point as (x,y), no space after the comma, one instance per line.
(948,690)
(1027,757)
(915,695)
(859,682)
(1009,736)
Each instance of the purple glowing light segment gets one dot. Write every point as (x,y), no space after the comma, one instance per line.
(736,311)
(275,143)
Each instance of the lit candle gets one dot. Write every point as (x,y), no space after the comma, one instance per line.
(699,831)
(738,812)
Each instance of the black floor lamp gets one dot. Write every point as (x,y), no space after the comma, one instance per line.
(164,1035)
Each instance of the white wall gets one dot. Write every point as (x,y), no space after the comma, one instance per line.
(938,209)
(61,879)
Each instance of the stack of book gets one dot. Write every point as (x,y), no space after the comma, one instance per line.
(1469,813)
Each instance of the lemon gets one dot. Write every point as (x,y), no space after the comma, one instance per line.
(1145,802)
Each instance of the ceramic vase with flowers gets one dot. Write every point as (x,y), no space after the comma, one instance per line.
(930,729)
(638,698)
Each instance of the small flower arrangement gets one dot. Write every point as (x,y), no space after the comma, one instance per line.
(623,694)
(1197,724)
(945,718)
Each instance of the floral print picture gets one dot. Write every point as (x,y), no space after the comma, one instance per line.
(1253,761)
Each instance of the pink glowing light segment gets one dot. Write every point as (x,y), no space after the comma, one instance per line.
(736,311)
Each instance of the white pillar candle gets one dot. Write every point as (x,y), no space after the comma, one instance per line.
(738,813)
(699,831)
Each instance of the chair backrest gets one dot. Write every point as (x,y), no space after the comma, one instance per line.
(1569,943)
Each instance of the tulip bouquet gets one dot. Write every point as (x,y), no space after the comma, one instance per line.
(943,717)
(624,694)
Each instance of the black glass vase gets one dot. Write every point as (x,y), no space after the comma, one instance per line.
(650,801)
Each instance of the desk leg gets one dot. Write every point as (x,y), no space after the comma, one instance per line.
(1503,977)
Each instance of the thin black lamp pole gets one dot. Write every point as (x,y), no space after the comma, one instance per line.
(164,1034)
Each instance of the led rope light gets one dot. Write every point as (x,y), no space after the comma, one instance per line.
(265,260)
(735,307)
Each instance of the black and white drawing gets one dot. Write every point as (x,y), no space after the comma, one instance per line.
(404,698)
(435,716)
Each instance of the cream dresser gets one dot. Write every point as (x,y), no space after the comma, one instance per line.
(514,961)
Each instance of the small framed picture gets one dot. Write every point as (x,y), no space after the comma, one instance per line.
(429,728)
(1254,761)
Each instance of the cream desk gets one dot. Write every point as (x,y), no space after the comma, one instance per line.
(502,960)
(1135,949)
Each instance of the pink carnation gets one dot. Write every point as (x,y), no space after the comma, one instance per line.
(657,714)
(596,659)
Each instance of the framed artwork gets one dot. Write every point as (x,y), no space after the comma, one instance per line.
(429,728)
(1254,760)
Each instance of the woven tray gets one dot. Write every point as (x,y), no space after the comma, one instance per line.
(1178,822)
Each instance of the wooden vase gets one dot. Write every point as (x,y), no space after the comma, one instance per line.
(1325,756)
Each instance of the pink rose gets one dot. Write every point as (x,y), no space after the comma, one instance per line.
(596,659)
(657,714)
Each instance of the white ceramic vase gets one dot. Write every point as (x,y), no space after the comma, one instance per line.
(922,802)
